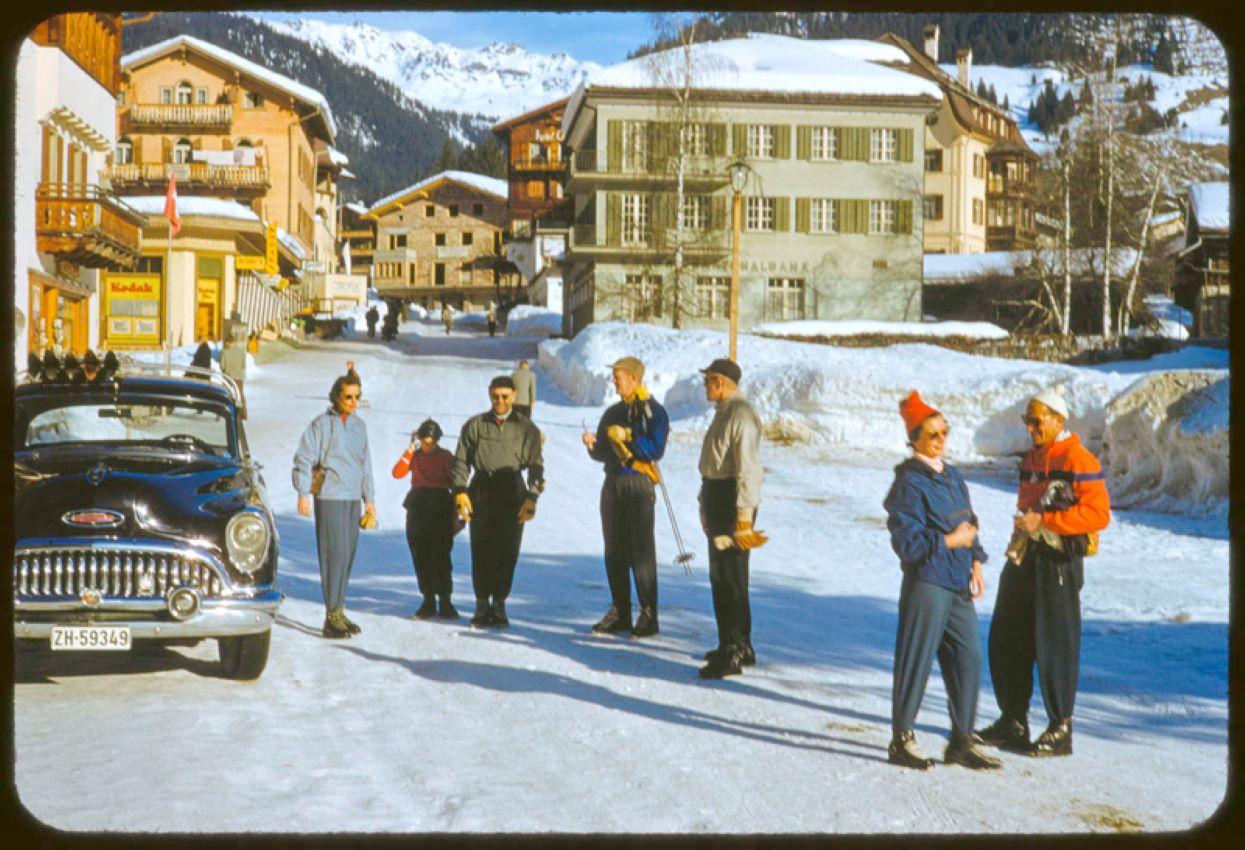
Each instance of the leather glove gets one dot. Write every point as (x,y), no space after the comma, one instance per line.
(746,538)
(463,502)
(619,437)
(527,510)
(368,521)
(648,468)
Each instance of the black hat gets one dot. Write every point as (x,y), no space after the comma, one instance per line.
(501,381)
(428,428)
(724,367)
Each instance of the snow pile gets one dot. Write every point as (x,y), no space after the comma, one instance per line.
(835,396)
(475,320)
(180,357)
(526,320)
(825,328)
(1084,261)
(416,312)
(1167,442)
(1210,202)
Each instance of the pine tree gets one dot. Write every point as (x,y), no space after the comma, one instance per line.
(1163,56)
(1006,105)
(447,159)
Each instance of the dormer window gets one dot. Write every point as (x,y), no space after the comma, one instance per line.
(185,93)
(252,100)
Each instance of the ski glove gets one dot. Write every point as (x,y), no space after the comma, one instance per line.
(463,502)
(646,467)
(527,510)
(746,538)
(619,437)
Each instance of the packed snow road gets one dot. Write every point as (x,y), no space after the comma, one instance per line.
(429,726)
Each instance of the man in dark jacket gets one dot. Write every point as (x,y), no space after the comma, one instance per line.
(630,439)
(372,316)
(496,446)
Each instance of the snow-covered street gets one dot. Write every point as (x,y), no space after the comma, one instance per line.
(429,726)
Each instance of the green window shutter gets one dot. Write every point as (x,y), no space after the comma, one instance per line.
(803,141)
(903,217)
(862,143)
(840,142)
(717,213)
(614,149)
(782,214)
(613,218)
(847,143)
(739,140)
(802,215)
(905,145)
(717,139)
(782,141)
(838,212)
(862,216)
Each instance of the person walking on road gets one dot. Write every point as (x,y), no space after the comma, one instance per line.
(233,364)
(491,318)
(630,439)
(447,317)
(372,316)
(524,389)
(1062,505)
(730,493)
(493,450)
(933,530)
(332,473)
(429,518)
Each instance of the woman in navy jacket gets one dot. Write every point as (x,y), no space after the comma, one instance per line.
(934,533)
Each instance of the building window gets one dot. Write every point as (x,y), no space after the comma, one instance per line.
(760,141)
(696,138)
(933,159)
(933,207)
(822,216)
(882,216)
(477,209)
(438,274)
(824,143)
(695,212)
(759,213)
(429,210)
(643,294)
(784,299)
(252,100)
(166,95)
(125,152)
(440,239)
(120,97)
(468,237)
(635,146)
(201,96)
(713,297)
(464,274)
(883,144)
(397,240)
(185,93)
(634,219)
(979,165)
(978,211)
(411,274)
(536,189)
(181,151)
(453,210)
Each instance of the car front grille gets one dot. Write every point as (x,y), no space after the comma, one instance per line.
(120,574)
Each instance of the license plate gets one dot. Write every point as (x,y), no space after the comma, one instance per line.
(105,638)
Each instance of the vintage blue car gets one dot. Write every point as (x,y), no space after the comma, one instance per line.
(139,513)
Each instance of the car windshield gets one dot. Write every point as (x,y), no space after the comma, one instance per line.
(198,428)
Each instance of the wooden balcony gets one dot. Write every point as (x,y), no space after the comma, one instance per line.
(534,165)
(707,246)
(86,225)
(197,116)
(199,176)
(1009,237)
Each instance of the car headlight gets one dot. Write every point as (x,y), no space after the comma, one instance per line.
(247,538)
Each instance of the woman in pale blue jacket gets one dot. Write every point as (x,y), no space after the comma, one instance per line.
(337,441)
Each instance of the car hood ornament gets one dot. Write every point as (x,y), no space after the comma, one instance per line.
(93,518)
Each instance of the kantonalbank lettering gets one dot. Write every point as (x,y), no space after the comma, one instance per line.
(775,266)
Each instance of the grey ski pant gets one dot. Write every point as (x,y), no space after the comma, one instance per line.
(935,620)
(337,537)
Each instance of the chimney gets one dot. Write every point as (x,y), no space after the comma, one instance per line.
(964,64)
(931,41)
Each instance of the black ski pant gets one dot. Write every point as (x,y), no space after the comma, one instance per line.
(495,532)
(1037,618)
(935,620)
(627,502)
(728,568)
(430,536)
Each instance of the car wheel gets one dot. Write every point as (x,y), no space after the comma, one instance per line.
(245,656)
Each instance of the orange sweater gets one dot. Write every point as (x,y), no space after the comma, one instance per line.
(1069,461)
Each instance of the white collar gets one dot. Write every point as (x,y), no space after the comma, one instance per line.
(936,464)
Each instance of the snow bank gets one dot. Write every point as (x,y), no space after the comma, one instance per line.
(526,320)
(1167,442)
(814,328)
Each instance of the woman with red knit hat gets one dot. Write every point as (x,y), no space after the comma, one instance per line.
(934,532)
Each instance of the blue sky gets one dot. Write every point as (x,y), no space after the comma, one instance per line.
(601,37)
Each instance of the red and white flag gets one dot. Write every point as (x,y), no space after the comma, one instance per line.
(170,208)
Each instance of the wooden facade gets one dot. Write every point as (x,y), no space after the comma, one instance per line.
(537,167)
(91,39)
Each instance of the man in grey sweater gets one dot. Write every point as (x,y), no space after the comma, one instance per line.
(524,389)
(337,441)
(730,492)
(496,446)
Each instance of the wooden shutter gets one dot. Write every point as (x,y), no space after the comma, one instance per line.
(613,217)
(802,214)
(803,143)
(613,146)
(661,217)
(782,214)
(905,145)
(853,216)
(663,139)
(717,139)
(782,141)
(862,143)
(846,142)
(166,145)
(903,217)
(739,140)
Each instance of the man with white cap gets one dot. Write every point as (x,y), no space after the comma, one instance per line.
(1062,505)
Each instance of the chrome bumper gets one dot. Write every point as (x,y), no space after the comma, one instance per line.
(215,617)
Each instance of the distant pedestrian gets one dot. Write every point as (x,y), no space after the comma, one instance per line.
(1062,505)
(933,530)
(372,316)
(200,362)
(630,439)
(430,520)
(447,317)
(493,449)
(333,466)
(233,364)
(491,318)
(730,493)
(524,389)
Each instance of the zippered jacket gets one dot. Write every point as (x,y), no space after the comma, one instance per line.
(1066,460)
(922,507)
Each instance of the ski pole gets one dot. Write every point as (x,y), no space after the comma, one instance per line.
(685,557)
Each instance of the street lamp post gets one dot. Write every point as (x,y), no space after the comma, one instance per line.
(739,173)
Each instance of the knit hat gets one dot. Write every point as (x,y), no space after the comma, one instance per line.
(914,411)
(1053,398)
(631,365)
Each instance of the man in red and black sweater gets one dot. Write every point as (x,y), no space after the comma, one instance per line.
(1062,505)
(430,518)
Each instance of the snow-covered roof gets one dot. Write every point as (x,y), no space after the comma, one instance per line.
(763,62)
(291,244)
(333,155)
(192,205)
(491,185)
(951,267)
(1210,205)
(272,78)
(356,208)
